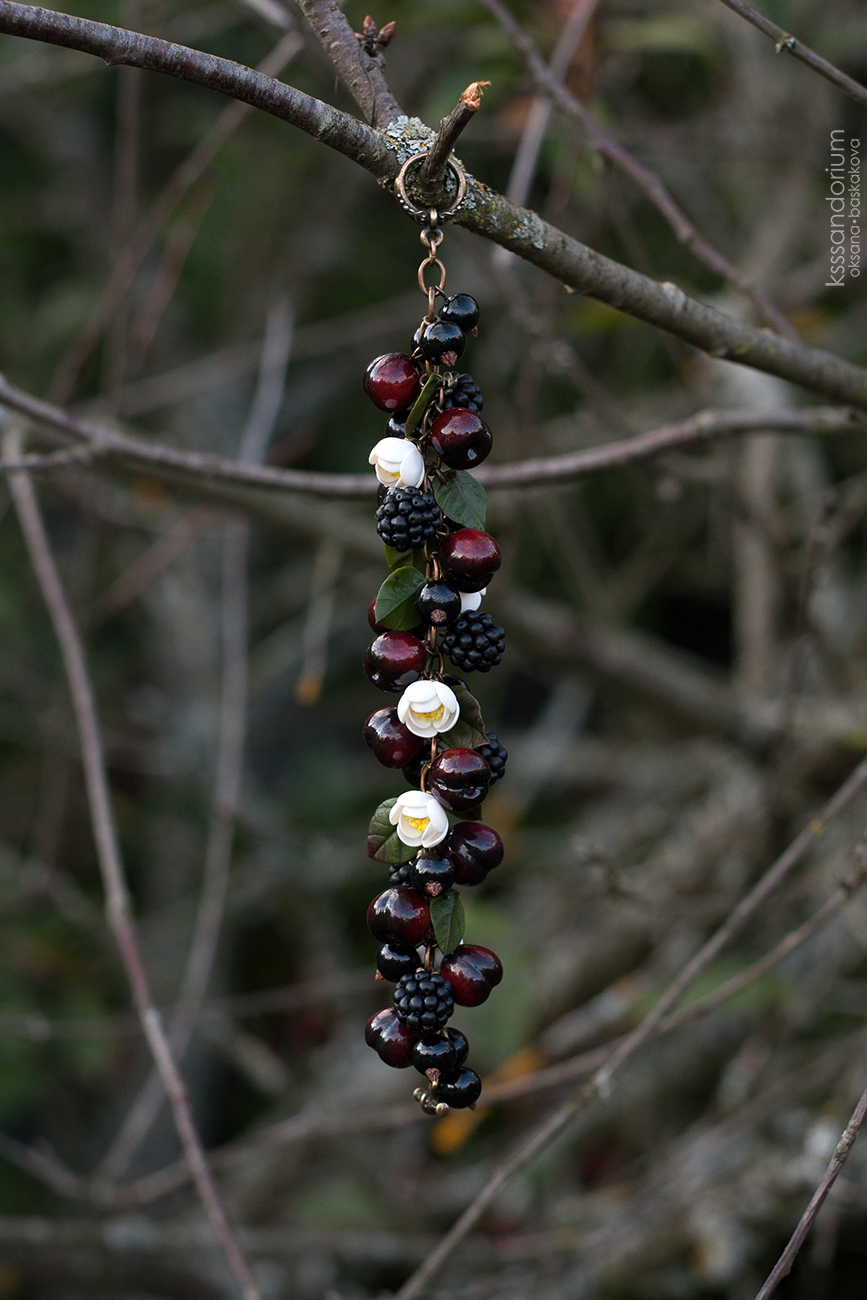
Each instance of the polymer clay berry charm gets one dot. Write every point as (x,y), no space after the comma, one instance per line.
(430,607)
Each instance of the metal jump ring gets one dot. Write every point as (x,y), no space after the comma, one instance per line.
(422,215)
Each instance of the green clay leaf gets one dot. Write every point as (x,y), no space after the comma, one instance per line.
(395,603)
(429,391)
(383,843)
(461,499)
(398,559)
(447,918)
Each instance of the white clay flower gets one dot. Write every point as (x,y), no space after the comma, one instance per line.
(428,707)
(471,600)
(419,819)
(398,463)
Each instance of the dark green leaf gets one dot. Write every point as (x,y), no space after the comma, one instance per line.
(471,715)
(397,559)
(424,399)
(463,735)
(461,499)
(447,918)
(383,844)
(395,603)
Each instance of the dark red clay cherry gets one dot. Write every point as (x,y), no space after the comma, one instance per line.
(399,916)
(392,1040)
(393,744)
(394,660)
(440,341)
(459,779)
(474,850)
(392,382)
(439,604)
(470,558)
(460,1044)
(395,960)
(462,310)
(434,1052)
(461,437)
(472,972)
(461,1089)
(432,874)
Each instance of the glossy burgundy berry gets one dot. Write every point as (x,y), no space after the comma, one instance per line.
(392,382)
(461,438)
(461,1089)
(434,1052)
(462,310)
(459,1043)
(470,557)
(394,960)
(392,1040)
(459,779)
(399,916)
(432,874)
(472,972)
(440,341)
(394,660)
(474,850)
(439,604)
(393,744)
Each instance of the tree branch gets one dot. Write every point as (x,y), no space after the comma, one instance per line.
(118,903)
(485,212)
(799,51)
(450,128)
(361,71)
(600,1084)
(838,1159)
(702,427)
(648,182)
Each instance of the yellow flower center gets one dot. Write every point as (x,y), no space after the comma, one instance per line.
(436,716)
(392,475)
(419,824)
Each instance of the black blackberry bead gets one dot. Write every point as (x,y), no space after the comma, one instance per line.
(401,874)
(407,518)
(465,393)
(461,310)
(459,1042)
(432,874)
(435,1052)
(475,642)
(461,1089)
(495,754)
(396,426)
(441,342)
(423,1001)
(394,960)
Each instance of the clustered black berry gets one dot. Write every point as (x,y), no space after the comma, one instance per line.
(495,755)
(407,519)
(401,874)
(418,620)
(423,1001)
(465,393)
(475,642)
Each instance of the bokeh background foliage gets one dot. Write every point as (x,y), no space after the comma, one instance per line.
(684,681)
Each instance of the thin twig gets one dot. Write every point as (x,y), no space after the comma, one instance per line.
(529,473)
(118,903)
(648,182)
(808,1218)
(488,214)
(798,50)
(276,347)
(361,71)
(600,1084)
(432,169)
(527,153)
(135,249)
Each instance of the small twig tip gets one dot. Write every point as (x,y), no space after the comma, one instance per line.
(472,96)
